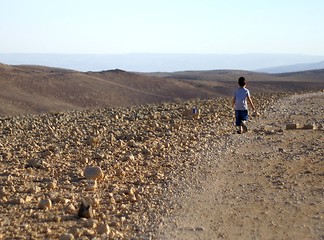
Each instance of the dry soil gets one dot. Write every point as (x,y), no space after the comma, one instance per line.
(265,184)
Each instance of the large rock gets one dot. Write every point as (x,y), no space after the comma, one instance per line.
(93,173)
(85,210)
(45,204)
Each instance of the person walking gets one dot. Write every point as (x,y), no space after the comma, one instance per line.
(240,102)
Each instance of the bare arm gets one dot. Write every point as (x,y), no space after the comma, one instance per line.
(233,101)
(251,103)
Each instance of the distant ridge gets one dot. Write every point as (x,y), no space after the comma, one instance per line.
(293,68)
(158,62)
(39,89)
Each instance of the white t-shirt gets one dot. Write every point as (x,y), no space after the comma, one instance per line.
(241,95)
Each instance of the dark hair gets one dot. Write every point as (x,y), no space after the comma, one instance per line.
(241,81)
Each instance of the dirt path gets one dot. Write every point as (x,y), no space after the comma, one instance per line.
(267,184)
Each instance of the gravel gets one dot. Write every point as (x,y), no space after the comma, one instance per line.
(131,165)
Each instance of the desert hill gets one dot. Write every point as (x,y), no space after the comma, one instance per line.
(34,89)
(223,81)
(38,89)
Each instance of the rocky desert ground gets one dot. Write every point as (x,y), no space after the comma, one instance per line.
(265,184)
(149,172)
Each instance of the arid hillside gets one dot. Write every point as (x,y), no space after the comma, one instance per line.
(223,81)
(38,89)
(31,89)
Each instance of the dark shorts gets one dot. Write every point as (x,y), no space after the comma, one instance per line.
(240,115)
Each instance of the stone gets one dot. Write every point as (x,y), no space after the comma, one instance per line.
(131,191)
(52,148)
(92,185)
(199,229)
(193,113)
(128,157)
(98,156)
(89,233)
(132,143)
(91,223)
(67,236)
(84,160)
(45,153)
(45,204)
(85,210)
(34,189)
(6,155)
(93,141)
(292,126)
(120,172)
(111,138)
(70,209)
(255,114)
(310,126)
(3,192)
(52,185)
(93,173)
(28,199)
(103,229)
(17,201)
(77,232)
(34,163)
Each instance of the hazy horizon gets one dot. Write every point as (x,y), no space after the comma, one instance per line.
(150,62)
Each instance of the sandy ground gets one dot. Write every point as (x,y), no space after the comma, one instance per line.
(264,184)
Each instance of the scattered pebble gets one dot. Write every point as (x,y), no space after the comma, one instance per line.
(103,229)
(66,236)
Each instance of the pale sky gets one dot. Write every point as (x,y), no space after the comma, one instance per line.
(162,26)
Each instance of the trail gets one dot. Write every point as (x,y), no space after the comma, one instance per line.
(265,184)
